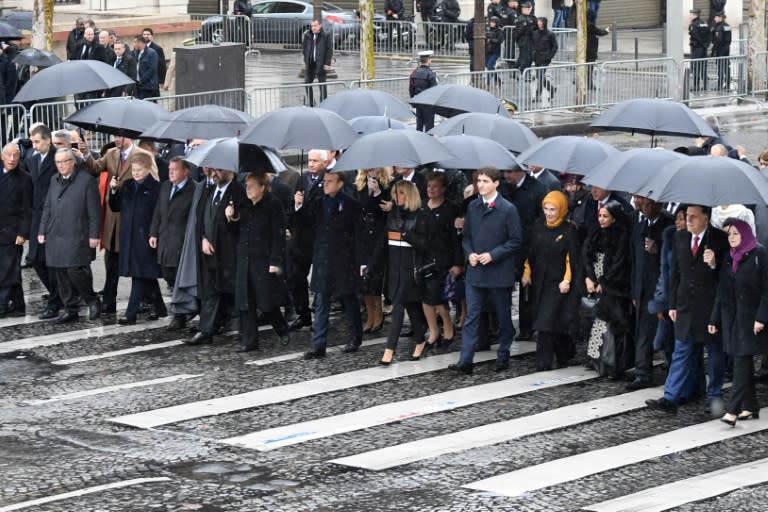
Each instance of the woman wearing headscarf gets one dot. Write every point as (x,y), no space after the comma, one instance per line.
(607,267)
(741,312)
(552,257)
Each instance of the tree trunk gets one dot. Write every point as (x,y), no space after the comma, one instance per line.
(49,24)
(367,58)
(38,25)
(756,43)
(478,57)
(317,10)
(581,52)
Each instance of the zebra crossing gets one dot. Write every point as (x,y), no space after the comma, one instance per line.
(335,441)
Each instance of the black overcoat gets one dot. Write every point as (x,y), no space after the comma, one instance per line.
(615,304)
(437,240)
(41,174)
(374,236)
(169,222)
(15,218)
(401,285)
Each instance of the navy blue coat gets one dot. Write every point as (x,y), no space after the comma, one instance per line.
(148,80)
(136,205)
(495,230)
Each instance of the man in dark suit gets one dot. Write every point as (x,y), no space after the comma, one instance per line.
(217,250)
(169,221)
(15,219)
(698,253)
(162,67)
(317,49)
(410,174)
(85,46)
(102,51)
(41,168)
(599,197)
(147,78)
(545,177)
(125,62)
(645,254)
(492,235)
(337,260)
(73,39)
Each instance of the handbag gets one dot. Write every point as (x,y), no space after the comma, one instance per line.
(588,304)
(425,272)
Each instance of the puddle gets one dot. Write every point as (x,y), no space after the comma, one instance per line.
(21,364)
(258,478)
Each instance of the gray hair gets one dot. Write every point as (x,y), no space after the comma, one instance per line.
(68,151)
(324,153)
(63,134)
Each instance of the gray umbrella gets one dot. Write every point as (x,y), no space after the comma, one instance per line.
(224,153)
(631,170)
(36,57)
(401,148)
(300,128)
(203,122)
(475,152)
(372,124)
(72,77)
(450,100)
(9,33)
(351,103)
(575,155)
(708,181)
(118,116)
(511,134)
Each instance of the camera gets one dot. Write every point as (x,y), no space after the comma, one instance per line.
(73,145)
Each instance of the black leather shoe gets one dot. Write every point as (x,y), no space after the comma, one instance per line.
(285,339)
(247,348)
(199,339)
(315,353)
(350,347)
(465,368)
(178,323)
(94,310)
(524,336)
(502,363)
(66,318)
(638,383)
(48,314)
(299,323)
(108,308)
(126,320)
(157,312)
(662,404)
(17,313)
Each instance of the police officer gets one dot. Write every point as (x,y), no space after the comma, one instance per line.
(422,78)
(698,32)
(512,11)
(524,28)
(721,47)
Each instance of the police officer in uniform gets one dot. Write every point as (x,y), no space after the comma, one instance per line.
(698,32)
(524,28)
(422,78)
(721,47)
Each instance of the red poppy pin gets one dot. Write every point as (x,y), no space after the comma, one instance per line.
(491,204)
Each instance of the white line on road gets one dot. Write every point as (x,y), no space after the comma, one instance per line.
(115,353)
(232,403)
(298,355)
(274,438)
(572,468)
(109,389)
(82,492)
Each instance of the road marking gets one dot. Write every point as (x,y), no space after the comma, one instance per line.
(109,389)
(500,432)
(303,389)
(298,355)
(82,492)
(572,468)
(30,319)
(700,487)
(115,353)
(274,438)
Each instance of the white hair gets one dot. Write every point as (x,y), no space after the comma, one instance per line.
(324,153)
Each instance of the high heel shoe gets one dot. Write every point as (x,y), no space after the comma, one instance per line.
(747,415)
(386,361)
(377,328)
(732,422)
(423,348)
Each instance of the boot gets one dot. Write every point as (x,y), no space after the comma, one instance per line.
(369,313)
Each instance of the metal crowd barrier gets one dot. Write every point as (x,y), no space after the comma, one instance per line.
(397,87)
(502,83)
(760,73)
(566,44)
(445,39)
(266,99)
(13,122)
(227,28)
(389,38)
(628,79)
(231,98)
(554,88)
(718,77)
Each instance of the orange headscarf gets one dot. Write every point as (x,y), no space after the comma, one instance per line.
(560,201)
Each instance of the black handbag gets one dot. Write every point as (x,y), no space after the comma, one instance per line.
(588,304)
(425,272)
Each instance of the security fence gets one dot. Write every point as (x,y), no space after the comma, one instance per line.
(554,87)
(760,73)
(397,87)
(231,98)
(714,78)
(226,28)
(266,99)
(502,83)
(628,79)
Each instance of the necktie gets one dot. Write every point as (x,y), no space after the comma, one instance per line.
(314,48)
(117,62)
(217,198)
(175,189)
(695,248)
(122,159)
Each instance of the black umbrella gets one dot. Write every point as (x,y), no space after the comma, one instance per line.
(511,134)
(631,170)
(118,116)
(35,57)
(475,152)
(351,103)
(9,33)
(708,181)
(574,155)
(451,100)
(654,117)
(203,122)
(71,77)
(224,153)
(401,148)
(300,128)
(372,124)
(22,20)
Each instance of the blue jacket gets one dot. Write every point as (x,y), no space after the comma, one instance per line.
(495,230)
(147,66)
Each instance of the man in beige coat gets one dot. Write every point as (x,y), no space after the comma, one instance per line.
(115,162)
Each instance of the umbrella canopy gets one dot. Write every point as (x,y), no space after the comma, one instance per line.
(401,148)
(72,77)
(300,128)
(351,103)
(708,181)
(371,124)
(511,134)
(566,153)
(35,57)
(631,170)
(224,153)
(9,33)
(451,100)
(203,122)
(475,152)
(118,116)
(654,117)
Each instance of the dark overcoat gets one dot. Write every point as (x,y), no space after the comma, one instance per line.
(615,304)
(374,236)
(136,204)
(437,240)
(261,245)
(15,218)
(41,174)
(169,222)
(401,258)
(742,300)
(693,285)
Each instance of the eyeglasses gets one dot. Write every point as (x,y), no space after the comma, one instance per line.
(62,162)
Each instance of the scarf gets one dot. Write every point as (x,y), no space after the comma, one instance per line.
(748,242)
(560,201)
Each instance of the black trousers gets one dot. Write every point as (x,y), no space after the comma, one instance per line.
(698,69)
(418,322)
(75,283)
(249,325)
(48,278)
(647,325)
(542,81)
(112,267)
(144,289)
(425,118)
(310,73)
(525,311)
(554,344)
(297,283)
(743,395)
(169,275)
